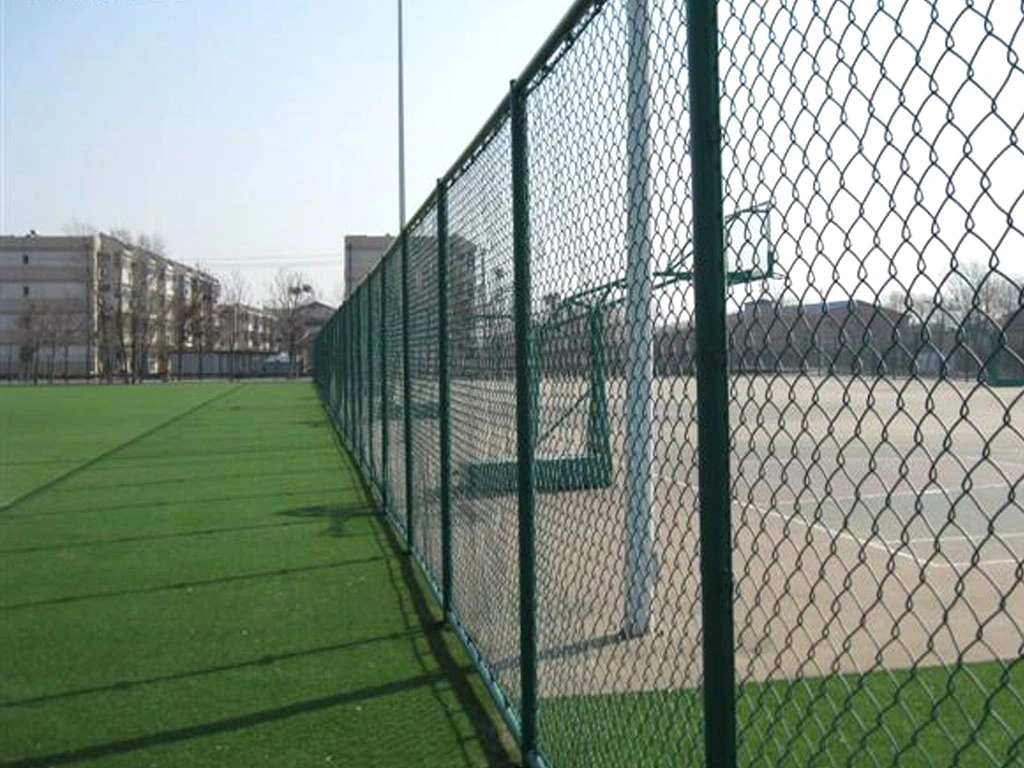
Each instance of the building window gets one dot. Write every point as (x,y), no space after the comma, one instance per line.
(24,258)
(24,291)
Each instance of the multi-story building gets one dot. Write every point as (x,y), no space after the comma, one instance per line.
(93,305)
(362,252)
(243,328)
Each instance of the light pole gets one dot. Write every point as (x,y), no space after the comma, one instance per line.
(294,332)
(401,128)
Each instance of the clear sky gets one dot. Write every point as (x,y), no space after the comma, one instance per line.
(250,134)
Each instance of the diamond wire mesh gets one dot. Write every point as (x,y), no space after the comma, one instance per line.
(424,372)
(372,336)
(362,382)
(870,168)
(366,378)
(878,526)
(618,603)
(392,272)
(485,590)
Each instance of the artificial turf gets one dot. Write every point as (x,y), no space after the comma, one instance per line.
(970,716)
(192,575)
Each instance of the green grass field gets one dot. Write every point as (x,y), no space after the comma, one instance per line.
(192,576)
(971,717)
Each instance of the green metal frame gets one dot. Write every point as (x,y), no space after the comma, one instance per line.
(993,376)
(592,468)
(526,415)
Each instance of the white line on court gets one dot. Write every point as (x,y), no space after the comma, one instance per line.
(959,537)
(898,494)
(880,544)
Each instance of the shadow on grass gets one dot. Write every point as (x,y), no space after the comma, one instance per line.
(419,625)
(181,502)
(259,661)
(219,477)
(337,516)
(272,573)
(106,455)
(455,677)
(227,724)
(152,537)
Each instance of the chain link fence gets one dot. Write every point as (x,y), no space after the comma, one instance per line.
(697,387)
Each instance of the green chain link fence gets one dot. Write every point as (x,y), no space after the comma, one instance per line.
(697,387)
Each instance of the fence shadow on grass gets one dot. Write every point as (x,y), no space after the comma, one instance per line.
(455,678)
(225,725)
(338,516)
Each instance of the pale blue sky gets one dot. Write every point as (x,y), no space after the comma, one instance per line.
(250,134)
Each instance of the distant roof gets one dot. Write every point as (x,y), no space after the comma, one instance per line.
(811,308)
(368,241)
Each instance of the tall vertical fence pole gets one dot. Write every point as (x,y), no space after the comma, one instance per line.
(640,524)
(357,350)
(385,440)
(371,392)
(524,422)
(712,387)
(407,394)
(445,396)
(346,358)
(350,357)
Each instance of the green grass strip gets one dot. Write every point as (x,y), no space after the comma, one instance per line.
(193,576)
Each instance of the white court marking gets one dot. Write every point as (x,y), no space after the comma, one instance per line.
(958,491)
(880,544)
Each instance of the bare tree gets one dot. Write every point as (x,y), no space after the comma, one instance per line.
(974,300)
(180,318)
(78,228)
(152,241)
(121,319)
(141,301)
(977,294)
(106,327)
(234,295)
(49,337)
(31,332)
(9,363)
(289,293)
(201,314)
(70,330)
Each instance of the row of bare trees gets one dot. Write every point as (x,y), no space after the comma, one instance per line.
(47,336)
(149,315)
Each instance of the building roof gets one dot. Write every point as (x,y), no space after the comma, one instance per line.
(814,308)
(100,242)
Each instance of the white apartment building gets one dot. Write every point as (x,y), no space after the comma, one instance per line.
(92,305)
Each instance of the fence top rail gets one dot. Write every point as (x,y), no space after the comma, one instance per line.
(561,39)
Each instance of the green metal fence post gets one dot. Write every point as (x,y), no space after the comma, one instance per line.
(407,394)
(524,423)
(712,387)
(371,362)
(359,373)
(346,372)
(445,385)
(367,357)
(350,359)
(385,468)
